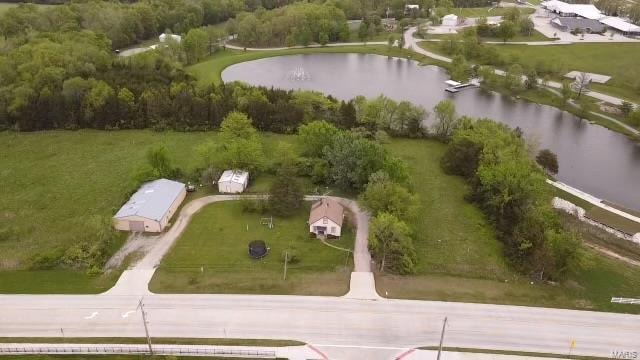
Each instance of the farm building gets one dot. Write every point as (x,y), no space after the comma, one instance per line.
(621,25)
(572,24)
(564,9)
(233,181)
(450,20)
(326,218)
(151,207)
(164,37)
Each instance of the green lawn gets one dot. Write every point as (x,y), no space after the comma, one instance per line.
(155,340)
(461,260)
(210,70)
(56,180)
(452,236)
(535,36)
(618,60)
(211,256)
(115,357)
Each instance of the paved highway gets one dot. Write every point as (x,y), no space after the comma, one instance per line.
(323,321)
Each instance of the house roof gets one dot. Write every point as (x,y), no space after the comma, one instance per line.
(573,23)
(175,37)
(329,208)
(235,176)
(450,17)
(152,200)
(620,24)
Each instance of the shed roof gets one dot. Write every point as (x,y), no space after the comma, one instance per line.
(329,208)
(620,24)
(450,17)
(235,176)
(152,200)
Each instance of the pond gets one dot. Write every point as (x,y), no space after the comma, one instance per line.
(592,158)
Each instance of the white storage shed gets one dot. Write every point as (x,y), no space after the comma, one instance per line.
(233,181)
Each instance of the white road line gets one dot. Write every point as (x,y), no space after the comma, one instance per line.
(126,315)
(93,314)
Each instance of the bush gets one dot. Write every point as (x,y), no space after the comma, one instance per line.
(259,206)
(291,255)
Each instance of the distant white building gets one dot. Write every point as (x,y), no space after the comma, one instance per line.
(233,181)
(165,37)
(450,20)
(411,8)
(151,207)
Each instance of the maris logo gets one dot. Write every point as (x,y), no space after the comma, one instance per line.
(624,354)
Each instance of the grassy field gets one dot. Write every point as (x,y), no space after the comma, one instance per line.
(461,260)
(211,256)
(618,60)
(56,180)
(210,70)
(115,357)
(535,36)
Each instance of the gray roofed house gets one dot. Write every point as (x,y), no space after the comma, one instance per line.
(151,207)
(569,24)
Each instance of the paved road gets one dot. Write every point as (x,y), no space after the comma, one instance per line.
(323,321)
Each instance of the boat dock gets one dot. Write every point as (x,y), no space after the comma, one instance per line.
(455,86)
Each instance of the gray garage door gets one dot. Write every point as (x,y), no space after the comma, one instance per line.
(136,226)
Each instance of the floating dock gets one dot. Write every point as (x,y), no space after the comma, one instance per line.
(457,87)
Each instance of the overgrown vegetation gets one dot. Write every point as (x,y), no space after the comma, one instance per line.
(511,189)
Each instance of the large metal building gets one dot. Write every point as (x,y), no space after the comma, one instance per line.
(151,207)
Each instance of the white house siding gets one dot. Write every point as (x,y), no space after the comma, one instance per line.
(231,187)
(172,210)
(332,228)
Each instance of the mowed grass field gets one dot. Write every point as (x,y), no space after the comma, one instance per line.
(211,256)
(461,260)
(487,11)
(618,60)
(53,182)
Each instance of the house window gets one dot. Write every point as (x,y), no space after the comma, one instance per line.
(333,229)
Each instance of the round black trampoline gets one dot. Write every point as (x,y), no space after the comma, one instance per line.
(258,249)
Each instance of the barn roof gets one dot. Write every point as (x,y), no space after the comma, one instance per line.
(152,200)
(329,208)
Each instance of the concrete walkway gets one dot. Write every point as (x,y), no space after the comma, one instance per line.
(135,281)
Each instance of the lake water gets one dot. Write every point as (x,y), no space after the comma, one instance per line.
(592,158)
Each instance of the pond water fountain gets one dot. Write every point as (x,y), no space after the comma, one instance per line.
(298,74)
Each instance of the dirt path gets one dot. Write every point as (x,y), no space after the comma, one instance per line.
(612,254)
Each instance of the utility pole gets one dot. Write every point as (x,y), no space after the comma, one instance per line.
(444,325)
(286,259)
(146,329)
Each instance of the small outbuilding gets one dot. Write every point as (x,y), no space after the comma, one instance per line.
(151,207)
(233,181)
(450,20)
(166,37)
(325,219)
